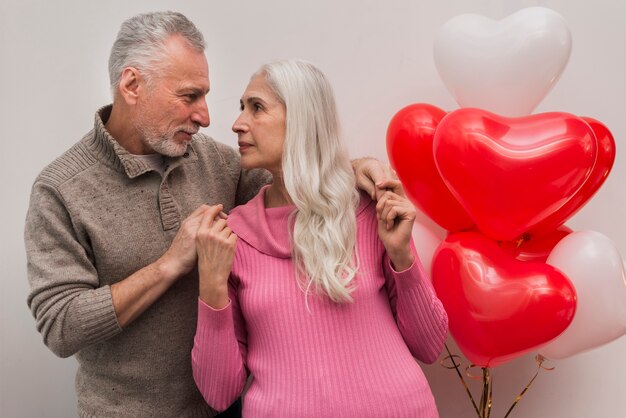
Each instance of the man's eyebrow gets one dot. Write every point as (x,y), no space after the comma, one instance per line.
(195,90)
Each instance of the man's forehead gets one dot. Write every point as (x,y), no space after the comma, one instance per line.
(186,78)
(195,85)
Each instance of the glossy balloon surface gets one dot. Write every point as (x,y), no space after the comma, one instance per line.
(600,171)
(410,148)
(510,174)
(595,267)
(505,66)
(499,308)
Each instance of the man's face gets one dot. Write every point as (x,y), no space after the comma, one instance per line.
(174,104)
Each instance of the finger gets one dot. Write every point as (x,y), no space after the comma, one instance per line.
(379,193)
(226,239)
(201,217)
(369,171)
(394,185)
(229,234)
(390,217)
(215,210)
(403,210)
(218,226)
(367,185)
(211,214)
(381,203)
(201,210)
(389,185)
(382,172)
(207,221)
(403,207)
(226,234)
(383,208)
(390,195)
(390,213)
(222,233)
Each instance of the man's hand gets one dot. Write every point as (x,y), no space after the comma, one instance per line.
(136,293)
(180,258)
(369,172)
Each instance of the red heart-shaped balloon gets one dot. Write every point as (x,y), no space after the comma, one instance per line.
(599,173)
(410,148)
(512,173)
(535,247)
(499,308)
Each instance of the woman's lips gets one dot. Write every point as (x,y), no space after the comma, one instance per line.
(244,146)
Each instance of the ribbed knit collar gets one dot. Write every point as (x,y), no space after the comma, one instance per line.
(268,230)
(107,150)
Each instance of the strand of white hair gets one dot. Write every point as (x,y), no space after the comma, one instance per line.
(319,179)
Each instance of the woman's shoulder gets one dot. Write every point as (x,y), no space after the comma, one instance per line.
(246,213)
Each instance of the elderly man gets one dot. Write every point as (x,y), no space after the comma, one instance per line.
(110,231)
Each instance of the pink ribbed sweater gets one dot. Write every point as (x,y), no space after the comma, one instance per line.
(327,360)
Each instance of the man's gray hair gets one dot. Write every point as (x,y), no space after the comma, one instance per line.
(141,40)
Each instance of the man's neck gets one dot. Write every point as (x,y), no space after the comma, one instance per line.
(124,132)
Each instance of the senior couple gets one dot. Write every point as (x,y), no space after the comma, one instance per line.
(180,271)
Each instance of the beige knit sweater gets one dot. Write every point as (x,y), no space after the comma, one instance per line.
(97,214)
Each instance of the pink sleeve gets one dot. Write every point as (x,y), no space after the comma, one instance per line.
(216,358)
(420,315)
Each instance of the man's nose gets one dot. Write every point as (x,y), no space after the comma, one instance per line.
(201,114)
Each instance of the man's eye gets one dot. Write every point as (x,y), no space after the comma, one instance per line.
(257,107)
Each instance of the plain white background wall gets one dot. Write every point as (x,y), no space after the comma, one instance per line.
(378,55)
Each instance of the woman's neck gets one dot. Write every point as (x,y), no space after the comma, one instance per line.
(276,194)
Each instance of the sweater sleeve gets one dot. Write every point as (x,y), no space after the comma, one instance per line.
(70,307)
(420,315)
(218,354)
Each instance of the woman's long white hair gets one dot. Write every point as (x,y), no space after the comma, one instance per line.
(319,179)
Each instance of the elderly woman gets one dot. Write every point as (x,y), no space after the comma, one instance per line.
(327,304)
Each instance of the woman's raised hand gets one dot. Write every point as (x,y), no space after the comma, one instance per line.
(396,216)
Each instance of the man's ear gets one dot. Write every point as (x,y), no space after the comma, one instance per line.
(130,85)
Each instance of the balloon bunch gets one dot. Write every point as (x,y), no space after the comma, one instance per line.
(512,277)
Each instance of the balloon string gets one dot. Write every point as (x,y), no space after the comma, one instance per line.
(486,397)
(455,366)
(490,395)
(539,359)
(469,374)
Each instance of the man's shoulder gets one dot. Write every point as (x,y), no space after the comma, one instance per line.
(72,162)
(205,143)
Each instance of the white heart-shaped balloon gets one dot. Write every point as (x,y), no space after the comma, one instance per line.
(593,264)
(505,66)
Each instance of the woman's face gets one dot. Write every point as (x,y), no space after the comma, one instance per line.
(261,127)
